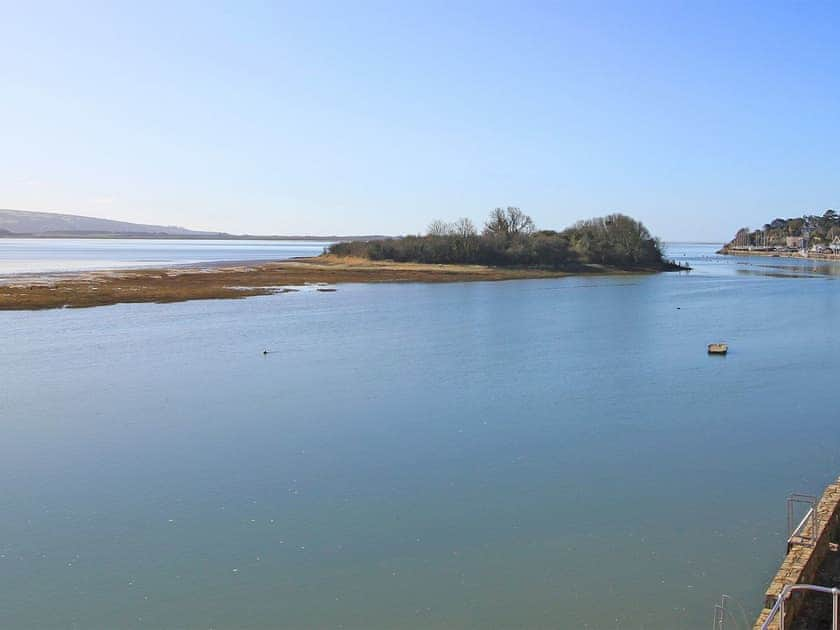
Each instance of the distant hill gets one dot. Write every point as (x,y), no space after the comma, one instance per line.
(50,223)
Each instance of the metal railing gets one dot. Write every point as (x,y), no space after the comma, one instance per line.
(779,606)
(795,534)
(723,613)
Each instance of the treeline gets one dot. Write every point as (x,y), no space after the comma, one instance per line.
(817,228)
(510,238)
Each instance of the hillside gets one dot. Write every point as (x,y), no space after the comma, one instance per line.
(23,222)
(18,223)
(807,231)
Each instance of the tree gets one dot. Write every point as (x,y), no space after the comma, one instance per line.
(497,224)
(519,222)
(464,228)
(509,239)
(439,228)
(629,238)
(508,222)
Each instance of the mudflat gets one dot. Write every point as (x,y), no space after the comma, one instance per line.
(178,284)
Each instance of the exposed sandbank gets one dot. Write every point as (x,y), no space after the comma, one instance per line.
(178,284)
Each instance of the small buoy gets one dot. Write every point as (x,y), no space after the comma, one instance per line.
(265,351)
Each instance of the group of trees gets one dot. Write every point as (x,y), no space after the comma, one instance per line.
(510,238)
(818,228)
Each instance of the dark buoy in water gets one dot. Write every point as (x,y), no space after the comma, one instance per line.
(265,351)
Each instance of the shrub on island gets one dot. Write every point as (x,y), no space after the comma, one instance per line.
(510,239)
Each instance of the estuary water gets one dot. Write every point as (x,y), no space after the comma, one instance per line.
(528,454)
(50,255)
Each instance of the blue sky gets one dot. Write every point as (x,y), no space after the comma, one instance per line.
(361,117)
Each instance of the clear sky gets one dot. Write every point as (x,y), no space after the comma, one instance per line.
(361,117)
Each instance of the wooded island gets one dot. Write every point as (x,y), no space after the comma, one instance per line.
(510,239)
(508,248)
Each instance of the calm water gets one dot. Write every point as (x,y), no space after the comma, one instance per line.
(42,255)
(532,454)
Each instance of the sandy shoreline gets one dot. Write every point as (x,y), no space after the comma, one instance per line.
(239,280)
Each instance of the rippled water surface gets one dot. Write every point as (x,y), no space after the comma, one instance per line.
(528,454)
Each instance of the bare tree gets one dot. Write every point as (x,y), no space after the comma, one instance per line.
(519,222)
(508,222)
(497,224)
(628,236)
(439,228)
(464,228)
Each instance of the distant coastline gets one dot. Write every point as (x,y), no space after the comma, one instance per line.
(810,236)
(35,224)
(773,253)
(222,236)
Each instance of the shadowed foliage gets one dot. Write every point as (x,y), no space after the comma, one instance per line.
(509,238)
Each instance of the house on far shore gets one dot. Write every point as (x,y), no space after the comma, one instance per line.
(835,245)
(795,242)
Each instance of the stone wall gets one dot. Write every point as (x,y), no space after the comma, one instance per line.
(802,561)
